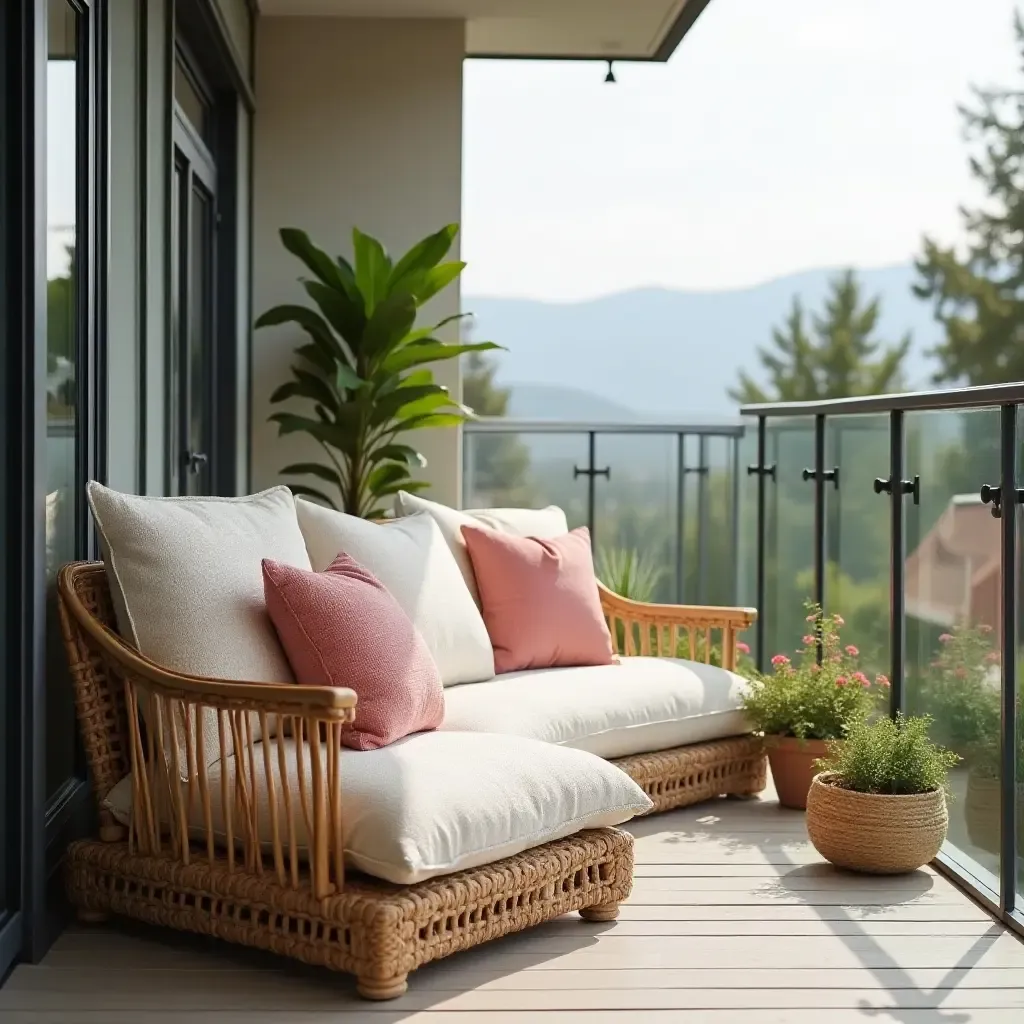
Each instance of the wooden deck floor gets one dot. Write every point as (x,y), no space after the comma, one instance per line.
(733,918)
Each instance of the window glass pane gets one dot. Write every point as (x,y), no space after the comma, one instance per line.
(952,591)
(63,111)
(190,99)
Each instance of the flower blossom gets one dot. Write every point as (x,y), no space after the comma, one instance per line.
(812,617)
(852,651)
(882,680)
(841,680)
(808,640)
(859,677)
(945,638)
(992,657)
(742,648)
(779,660)
(815,668)
(839,620)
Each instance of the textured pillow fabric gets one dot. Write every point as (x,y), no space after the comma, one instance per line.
(409,556)
(519,522)
(438,802)
(539,599)
(341,627)
(187,584)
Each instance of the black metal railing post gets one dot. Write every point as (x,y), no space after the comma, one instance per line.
(702,518)
(591,472)
(735,480)
(897,558)
(763,470)
(820,476)
(1008,643)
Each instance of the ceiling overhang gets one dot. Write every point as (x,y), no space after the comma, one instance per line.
(621,30)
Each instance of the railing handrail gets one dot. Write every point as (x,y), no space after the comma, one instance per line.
(503,425)
(980,396)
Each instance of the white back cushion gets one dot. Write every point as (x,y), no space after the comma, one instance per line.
(186,579)
(410,557)
(520,522)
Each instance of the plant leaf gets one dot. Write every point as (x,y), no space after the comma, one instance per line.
(436,279)
(373,268)
(391,322)
(430,350)
(311,492)
(343,315)
(424,255)
(316,355)
(431,420)
(346,379)
(298,243)
(391,406)
(332,434)
(314,469)
(399,453)
(387,474)
(316,389)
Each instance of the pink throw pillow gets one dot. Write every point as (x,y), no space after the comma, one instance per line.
(539,599)
(341,627)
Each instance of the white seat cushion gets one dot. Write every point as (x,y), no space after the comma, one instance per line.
(636,707)
(434,803)
(410,557)
(543,523)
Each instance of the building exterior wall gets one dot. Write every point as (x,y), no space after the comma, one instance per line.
(359,124)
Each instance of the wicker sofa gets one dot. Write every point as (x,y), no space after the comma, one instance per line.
(166,864)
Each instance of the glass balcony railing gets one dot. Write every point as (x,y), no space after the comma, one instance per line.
(900,513)
(662,500)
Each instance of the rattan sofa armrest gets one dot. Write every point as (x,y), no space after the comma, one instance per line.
(330,702)
(641,627)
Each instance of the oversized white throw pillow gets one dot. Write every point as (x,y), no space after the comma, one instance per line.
(521,522)
(437,802)
(186,580)
(410,557)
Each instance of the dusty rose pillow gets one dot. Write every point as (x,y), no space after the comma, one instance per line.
(341,627)
(539,599)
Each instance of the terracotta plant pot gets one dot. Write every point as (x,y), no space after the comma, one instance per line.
(873,832)
(792,764)
(981,812)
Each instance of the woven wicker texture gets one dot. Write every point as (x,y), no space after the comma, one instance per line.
(878,834)
(377,931)
(688,775)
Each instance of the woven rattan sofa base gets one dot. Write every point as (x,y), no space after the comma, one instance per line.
(687,775)
(377,931)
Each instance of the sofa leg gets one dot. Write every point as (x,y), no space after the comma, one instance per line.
(86,916)
(374,988)
(600,912)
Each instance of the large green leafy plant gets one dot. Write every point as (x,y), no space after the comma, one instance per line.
(363,373)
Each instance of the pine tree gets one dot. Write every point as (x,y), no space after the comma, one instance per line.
(834,355)
(500,462)
(977,292)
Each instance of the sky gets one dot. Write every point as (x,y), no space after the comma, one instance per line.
(782,135)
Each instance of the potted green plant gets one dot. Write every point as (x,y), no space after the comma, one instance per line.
(879,802)
(805,702)
(363,374)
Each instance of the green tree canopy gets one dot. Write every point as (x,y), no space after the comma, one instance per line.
(833,354)
(978,292)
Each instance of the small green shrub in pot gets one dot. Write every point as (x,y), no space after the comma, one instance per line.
(803,703)
(879,803)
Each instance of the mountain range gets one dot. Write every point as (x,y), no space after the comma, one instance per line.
(657,353)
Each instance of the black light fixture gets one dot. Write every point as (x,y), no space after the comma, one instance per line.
(610,77)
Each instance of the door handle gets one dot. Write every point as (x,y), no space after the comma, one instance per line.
(194,461)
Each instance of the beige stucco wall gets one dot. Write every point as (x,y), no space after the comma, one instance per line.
(358,122)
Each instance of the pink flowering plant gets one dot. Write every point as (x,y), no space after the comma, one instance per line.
(960,688)
(810,700)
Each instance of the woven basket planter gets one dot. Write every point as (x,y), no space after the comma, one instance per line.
(873,832)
